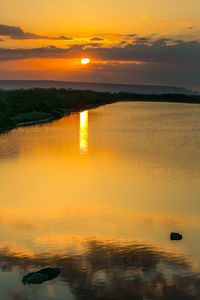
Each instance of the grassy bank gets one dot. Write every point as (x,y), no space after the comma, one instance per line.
(21,107)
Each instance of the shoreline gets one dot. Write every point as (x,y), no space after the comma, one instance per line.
(64,114)
(20,108)
(51,119)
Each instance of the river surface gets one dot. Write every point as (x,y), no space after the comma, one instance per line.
(97,194)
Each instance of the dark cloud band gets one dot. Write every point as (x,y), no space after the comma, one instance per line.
(15,32)
(157,52)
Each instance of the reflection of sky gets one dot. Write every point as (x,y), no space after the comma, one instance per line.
(102,270)
(131,189)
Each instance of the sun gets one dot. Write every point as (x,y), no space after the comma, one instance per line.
(85,61)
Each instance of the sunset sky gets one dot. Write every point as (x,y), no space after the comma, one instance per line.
(137,42)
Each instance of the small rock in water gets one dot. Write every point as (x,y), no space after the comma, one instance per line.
(41,276)
(175,236)
(36,278)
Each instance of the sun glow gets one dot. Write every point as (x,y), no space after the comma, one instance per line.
(84,132)
(85,61)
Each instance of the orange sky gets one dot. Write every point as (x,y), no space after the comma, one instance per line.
(47,39)
(98,17)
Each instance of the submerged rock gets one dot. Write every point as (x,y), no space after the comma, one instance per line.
(175,236)
(41,276)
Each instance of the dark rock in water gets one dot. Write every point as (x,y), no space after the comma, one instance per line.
(174,236)
(35,278)
(41,276)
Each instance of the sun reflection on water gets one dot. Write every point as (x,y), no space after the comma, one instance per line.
(84,132)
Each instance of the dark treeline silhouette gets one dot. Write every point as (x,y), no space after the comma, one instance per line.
(18,107)
(35,105)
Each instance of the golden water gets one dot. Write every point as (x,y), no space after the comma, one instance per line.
(97,194)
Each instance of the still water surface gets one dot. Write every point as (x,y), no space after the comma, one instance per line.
(97,195)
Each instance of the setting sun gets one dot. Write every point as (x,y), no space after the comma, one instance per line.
(99,149)
(85,61)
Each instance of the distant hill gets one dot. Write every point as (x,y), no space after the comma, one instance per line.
(99,87)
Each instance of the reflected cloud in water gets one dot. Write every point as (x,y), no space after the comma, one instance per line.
(141,181)
(111,270)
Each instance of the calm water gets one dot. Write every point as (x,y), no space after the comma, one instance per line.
(97,194)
